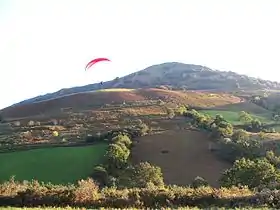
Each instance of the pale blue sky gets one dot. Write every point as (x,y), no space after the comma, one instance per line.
(45,44)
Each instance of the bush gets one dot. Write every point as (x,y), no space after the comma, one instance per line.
(124,139)
(170,113)
(100,174)
(182,110)
(144,174)
(199,182)
(143,129)
(252,173)
(87,194)
(31,123)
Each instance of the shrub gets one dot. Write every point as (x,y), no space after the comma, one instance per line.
(143,129)
(252,173)
(100,174)
(245,117)
(86,192)
(170,113)
(144,174)
(199,182)
(31,123)
(124,139)
(88,195)
(181,110)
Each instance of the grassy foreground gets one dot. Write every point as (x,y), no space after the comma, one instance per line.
(57,165)
(69,208)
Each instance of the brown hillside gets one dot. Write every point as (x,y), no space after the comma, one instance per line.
(186,156)
(91,100)
(194,98)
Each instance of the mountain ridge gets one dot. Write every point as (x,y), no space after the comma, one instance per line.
(173,75)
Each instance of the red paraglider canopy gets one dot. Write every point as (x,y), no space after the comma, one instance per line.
(94,61)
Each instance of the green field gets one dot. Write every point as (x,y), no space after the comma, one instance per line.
(56,165)
(233,116)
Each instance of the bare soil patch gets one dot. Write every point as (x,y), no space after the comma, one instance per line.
(182,155)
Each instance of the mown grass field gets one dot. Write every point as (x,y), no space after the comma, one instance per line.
(57,165)
(233,116)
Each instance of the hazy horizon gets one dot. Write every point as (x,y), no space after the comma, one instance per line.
(45,44)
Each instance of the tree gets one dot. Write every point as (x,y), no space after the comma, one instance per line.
(276,117)
(256,125)
(218,119)
(224,129)
(145,173)
(239,136)
(272,158)
(181,110)
(117,156)
(245,117)
(252,173)
(100,174)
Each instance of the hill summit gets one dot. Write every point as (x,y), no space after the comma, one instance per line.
(173,75)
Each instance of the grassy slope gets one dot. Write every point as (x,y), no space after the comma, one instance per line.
(231,112)
(233,116)
(57,165)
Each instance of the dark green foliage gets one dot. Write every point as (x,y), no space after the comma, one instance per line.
(100,174)
(117,169)
(252,173)
(245,117)
(145,174)
(273,159)
(232,144)
(240,136)
(95,138)
(117,156)
(199,182)
(255,126)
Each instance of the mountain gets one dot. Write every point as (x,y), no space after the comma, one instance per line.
(173,75)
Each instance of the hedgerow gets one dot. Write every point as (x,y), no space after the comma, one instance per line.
(88,194)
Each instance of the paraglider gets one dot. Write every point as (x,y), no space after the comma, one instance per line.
(94,61)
